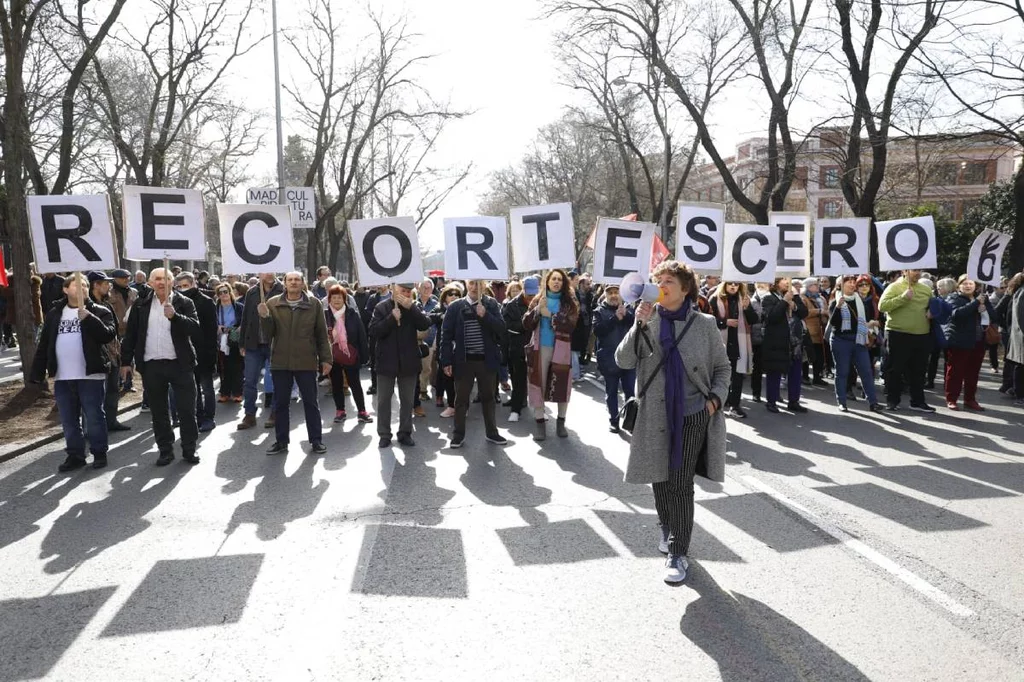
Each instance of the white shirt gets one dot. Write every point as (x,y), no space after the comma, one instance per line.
(70,354)
(159,345)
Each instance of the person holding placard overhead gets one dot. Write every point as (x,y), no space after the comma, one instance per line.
(782,348)
(906,305)
(72,350)
(295,326)
(394,328)
(682,372)
(551,320)
(471,335)
(161,324)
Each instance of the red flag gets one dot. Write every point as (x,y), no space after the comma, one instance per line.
(659,251)
(3,271)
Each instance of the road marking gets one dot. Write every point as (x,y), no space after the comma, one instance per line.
(885,563)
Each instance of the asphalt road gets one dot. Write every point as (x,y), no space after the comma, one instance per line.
(841,547)
(10,364)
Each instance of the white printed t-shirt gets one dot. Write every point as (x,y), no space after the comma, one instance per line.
(70,355)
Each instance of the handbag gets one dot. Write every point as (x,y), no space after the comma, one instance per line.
(628,413)
(992,335)
(346,357)
(234,335)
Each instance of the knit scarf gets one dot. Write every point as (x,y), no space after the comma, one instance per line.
(675,382)
(862,321)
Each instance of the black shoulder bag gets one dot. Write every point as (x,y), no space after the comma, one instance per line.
(627,415)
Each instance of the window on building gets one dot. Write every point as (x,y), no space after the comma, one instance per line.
(830,177)
(945,174)
(974,173)
(833,208)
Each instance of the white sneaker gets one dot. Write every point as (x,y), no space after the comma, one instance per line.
(513,417)
(675,569)
(448,412)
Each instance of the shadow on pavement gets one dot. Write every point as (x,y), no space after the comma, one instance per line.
(640,533)
(758,515)
(280,499)
(37,632)
(935,483)
(88,528)
(751,641)
(906,511)
(496,480)
(1006,474)
(413,561)
(180,594)
(781,461)
(557,542)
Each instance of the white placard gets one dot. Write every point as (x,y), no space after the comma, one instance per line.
(749,253)
(301,199)
(622,247)
(71,233)
(907,244)
(794,257)
(543,237)
(476,248)
(985,263)
(386,250)
(162,222)
(256,239)
(700,229)
(842,246)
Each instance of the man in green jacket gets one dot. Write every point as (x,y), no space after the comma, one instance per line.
(908,329)
(294,323)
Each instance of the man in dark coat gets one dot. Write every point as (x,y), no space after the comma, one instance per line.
(161,326)
(72,350)
(612,320)
(392,331)
(99,293)
(512,312)
(375,298)
(205,342)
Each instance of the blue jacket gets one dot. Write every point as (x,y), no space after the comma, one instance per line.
(963,329)
(453,329)
(940,311)
(609,331)
(428,308)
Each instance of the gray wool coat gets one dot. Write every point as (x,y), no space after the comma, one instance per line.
(707,369)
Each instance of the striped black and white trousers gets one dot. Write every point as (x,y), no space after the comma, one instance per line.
(674,498)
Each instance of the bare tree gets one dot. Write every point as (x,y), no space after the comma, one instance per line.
(981,70)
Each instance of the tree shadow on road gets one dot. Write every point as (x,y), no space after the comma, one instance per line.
(751,641)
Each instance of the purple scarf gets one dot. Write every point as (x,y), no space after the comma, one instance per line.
(675,378)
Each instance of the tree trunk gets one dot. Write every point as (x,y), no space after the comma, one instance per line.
(16,139)
(1017,245)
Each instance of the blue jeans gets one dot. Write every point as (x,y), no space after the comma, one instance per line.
(256,360)
(74,398)
(576,373)
(625,378)
(847,353)
(306,381)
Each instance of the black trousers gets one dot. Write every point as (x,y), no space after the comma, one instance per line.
(231,373)
(517,375)
(158,378)
(908,364)
(487,379)
(756,373)
(338,374)
(113,394)
(735,386)
(674,498)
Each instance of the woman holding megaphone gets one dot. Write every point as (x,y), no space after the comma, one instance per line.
(683,373)
(551,320)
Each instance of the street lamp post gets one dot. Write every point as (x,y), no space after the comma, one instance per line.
(277,101)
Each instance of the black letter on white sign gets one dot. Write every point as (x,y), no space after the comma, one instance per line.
(611,251)
(72,234)
(371,258)
(541,220)
(829,245)
(785,229)
(692,256)
(150,221)
(238,237)
(737,248)
(922,243)
(479,248)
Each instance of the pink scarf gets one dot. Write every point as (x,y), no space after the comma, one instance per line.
(340,333)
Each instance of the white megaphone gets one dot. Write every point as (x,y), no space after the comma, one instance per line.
(634,288)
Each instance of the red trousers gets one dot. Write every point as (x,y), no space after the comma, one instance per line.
(963,365)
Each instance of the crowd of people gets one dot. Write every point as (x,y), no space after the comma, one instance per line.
(517,344)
